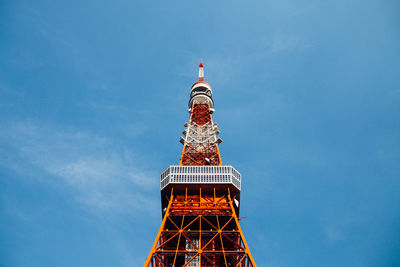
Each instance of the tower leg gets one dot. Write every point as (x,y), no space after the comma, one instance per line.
(200,230)
(154,247)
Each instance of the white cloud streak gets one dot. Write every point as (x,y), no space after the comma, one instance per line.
(100,175)
(283,43)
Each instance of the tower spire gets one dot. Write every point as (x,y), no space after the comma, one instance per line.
(201,70)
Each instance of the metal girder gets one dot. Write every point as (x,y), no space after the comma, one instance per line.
(201,143)
(209,237)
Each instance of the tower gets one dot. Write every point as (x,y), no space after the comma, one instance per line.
(200,198)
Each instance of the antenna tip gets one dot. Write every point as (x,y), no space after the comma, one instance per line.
(201,63)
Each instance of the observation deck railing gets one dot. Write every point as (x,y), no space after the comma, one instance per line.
(200,175)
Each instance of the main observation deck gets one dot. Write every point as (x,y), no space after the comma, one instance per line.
(200,175)
(188,179)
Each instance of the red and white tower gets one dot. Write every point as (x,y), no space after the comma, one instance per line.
(200,197)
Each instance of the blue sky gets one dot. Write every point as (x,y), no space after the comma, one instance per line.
(93,98)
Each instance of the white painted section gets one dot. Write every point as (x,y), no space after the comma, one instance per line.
(202,99)
(201,136)
(200,175)
(201,72)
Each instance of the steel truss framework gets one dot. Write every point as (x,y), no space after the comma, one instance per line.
(201,143)
(200,230)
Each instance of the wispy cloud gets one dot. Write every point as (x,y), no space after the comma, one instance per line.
(45,28)
(282,43)
(230,63)
(334,234)
(100,175)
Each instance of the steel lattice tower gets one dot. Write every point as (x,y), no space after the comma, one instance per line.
(200,198)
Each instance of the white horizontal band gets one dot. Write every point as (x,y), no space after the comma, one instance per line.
(200,175)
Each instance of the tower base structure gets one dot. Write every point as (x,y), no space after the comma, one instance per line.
(200,227)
